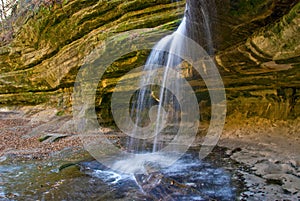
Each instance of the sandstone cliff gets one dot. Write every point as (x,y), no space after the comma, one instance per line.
(256,42)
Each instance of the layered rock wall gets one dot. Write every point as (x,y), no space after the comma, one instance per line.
(41,63)
(256,45)
(262,73)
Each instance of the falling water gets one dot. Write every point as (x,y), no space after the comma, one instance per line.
(206,22)
(160,58)
(158,98)
(200,22)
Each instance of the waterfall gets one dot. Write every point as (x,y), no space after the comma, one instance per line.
(155,97)
(200,22)
(157,105)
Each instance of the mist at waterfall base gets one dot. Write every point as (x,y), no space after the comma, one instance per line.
(149,174)
(158,108)
(187,179)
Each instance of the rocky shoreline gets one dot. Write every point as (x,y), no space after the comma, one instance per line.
(268,149)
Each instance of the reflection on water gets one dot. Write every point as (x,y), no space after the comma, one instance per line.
(187,179)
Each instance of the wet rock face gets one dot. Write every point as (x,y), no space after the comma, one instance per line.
(263,70)
(200,25)
(256,45)
(233,21)
(237,20)
(257,49)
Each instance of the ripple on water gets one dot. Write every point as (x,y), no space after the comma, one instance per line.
(191,179)
(187,179)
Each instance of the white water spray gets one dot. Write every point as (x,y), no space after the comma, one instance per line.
(167,106)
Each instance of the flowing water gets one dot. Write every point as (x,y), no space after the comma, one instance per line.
(160,106)
(158,96)
(187,179)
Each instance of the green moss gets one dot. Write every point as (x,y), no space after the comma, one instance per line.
(43,138)
(68,165)
(292,14)
(133,5)
(248,7)
(60,113)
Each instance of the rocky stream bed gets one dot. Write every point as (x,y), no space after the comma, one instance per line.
(249,163)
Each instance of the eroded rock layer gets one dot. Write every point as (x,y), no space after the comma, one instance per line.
(256,44)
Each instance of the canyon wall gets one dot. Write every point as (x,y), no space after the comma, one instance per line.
(256,45)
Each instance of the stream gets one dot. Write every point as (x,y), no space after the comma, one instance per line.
(215,178)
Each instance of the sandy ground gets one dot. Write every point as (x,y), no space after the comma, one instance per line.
(269,149)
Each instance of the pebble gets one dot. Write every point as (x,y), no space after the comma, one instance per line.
(3,158)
